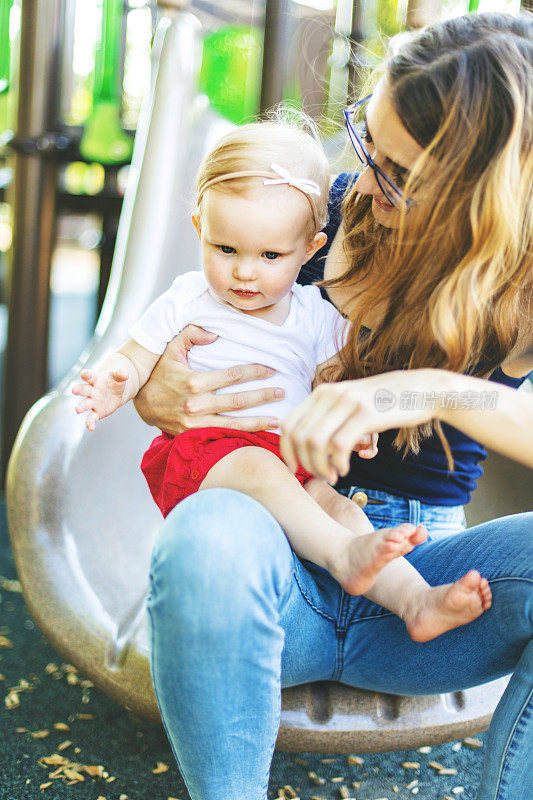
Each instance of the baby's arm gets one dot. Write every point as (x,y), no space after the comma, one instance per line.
(116,381)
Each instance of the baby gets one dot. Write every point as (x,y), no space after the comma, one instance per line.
(261,203)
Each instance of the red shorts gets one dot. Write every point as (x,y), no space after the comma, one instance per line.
(175,466)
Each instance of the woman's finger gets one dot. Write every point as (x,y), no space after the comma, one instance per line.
(312,446)
(318,430)
(368,446)
(219,403)
(289,426)
(191,335)
(370,453)
(201,382)
(249,424)
(306,434)
(355,427)
(301,429)
(288,452)
(342,441)
(328,451)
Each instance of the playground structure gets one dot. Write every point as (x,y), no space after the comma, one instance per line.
(81,519)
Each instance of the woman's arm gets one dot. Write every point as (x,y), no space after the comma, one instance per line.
(320,433)
(506,425)
(176,399)
(520,362)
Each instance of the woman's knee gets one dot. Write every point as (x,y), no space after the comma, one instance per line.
(508,545)
(508,542)
(221,539)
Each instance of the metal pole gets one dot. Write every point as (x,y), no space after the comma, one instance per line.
(275,51)
(33,216)
(356,38)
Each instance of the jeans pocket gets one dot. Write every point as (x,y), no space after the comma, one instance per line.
(319,588)
(440,530)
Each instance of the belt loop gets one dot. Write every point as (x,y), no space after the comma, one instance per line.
(414,512)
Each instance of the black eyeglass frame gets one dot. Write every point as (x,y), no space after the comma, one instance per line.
(366,159)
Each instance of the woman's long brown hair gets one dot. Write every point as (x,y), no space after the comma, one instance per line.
(456,281)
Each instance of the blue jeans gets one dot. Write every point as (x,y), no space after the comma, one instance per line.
(235,615)
(385,510)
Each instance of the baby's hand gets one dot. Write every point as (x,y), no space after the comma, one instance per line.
(103,393)
(367,447)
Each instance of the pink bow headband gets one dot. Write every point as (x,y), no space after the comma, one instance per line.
(277,177)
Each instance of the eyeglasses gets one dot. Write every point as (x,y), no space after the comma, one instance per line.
(392,192)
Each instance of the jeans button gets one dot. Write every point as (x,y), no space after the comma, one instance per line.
(360,498)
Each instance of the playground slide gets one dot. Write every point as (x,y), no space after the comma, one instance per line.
(81,519)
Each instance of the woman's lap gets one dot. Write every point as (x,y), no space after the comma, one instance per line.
(373,650)
(331,635)
(235,615)
(378,654)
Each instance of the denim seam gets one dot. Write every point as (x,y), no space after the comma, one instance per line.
(308,601)
(286,593)
(344,608)
(152,651)
(371,616)
(390,614)
(339,657)
(341,636)
(508,745)
(272,748)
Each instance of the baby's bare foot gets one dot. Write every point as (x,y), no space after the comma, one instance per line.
(364,556)
(440,608)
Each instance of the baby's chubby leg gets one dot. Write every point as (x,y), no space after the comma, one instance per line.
(330,530)
(321,525)
(428,611)
(357,562)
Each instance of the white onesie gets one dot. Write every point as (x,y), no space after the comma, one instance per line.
(312,333)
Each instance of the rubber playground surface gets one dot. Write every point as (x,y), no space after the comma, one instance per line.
(60,737)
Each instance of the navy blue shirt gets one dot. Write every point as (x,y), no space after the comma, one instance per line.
(425,476)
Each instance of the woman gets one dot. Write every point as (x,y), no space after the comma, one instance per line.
(435,274)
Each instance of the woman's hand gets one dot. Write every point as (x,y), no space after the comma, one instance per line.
(367,446)
(323,431)
(177,399)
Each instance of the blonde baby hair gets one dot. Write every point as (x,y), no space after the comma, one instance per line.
(287,139)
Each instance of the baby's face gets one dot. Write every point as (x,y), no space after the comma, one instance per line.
(254,244)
